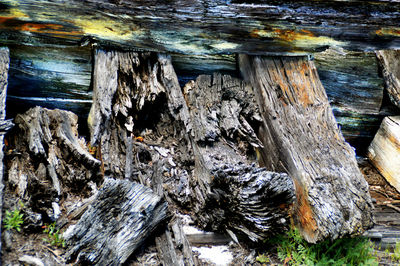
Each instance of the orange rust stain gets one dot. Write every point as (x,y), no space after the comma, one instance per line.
(388,31)
(304,212)
(13,23)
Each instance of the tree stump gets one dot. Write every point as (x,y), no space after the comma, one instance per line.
(390,64)
(46,160)
(209,125)
(301,137)
(384,151)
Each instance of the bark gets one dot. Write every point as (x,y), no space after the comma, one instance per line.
(46,160)
(196,27)
(301,137)
(122,216)
(4,65)
(390,63)
(384,151)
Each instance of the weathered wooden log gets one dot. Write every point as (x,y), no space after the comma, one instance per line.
(390,64)
(50,77)
(116,224)
(355,92)
(384,151)
(197,27)
(44,147)
(301,137)
(4,65)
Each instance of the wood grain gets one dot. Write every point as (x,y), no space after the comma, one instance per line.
(301,137)
(198,27)
(384,151)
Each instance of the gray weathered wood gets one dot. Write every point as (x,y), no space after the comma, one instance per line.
(210,123)
(390,64)
(4,65)
(220,110)
(45,146)
(301,137)
(121,217)
(384,151)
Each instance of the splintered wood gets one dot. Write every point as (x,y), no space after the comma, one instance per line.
(301,137)
(384,151)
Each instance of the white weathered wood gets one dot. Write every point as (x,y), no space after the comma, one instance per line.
(384,151)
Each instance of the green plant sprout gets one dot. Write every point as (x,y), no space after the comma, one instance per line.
(292,249)
(54,236)
(13,220)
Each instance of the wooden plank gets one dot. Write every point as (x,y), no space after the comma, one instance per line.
(384,151)
(198,27)
(301,137)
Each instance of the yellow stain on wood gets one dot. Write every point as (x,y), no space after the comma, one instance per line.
(108,29)
(390,31)
(298,38)
(304,213)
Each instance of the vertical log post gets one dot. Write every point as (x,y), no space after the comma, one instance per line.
(4,65)
(301,137)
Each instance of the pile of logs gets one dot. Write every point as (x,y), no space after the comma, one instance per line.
(243,157)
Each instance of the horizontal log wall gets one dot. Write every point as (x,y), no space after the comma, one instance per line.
(205,27)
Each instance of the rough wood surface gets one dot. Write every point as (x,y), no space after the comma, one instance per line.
(390,64)
(199,27)
(4,65)
(121,217)
(209,125)
(384,151)
(355,91)
(301,137)
(46,160)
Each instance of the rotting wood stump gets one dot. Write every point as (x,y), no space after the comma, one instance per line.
(188,137)
(301,137)
(121,217)
(46,161)
(390,64)
(384,151)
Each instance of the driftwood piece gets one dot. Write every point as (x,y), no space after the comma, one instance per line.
(301,137)
(116,224)
(46,159)
(196,27)
(384,151)
(390,64)
(4,64)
